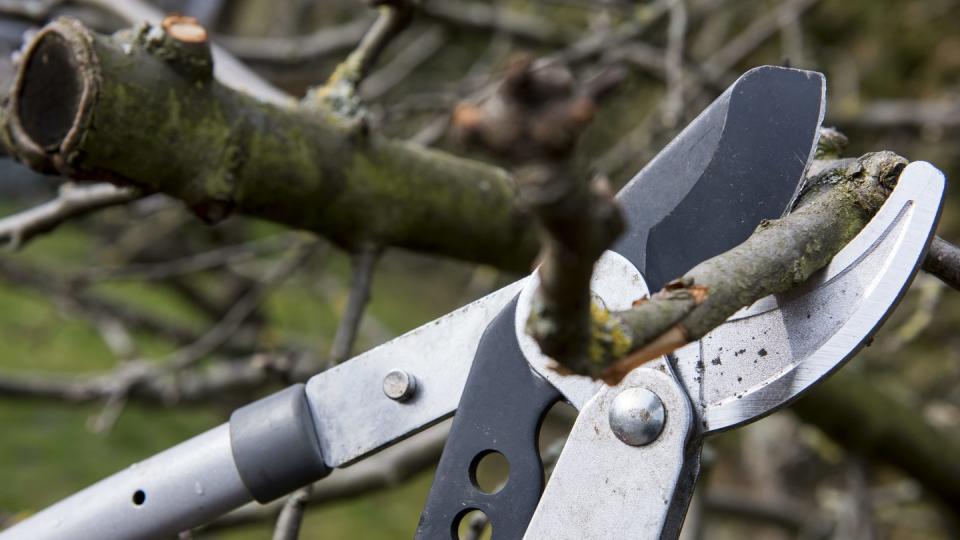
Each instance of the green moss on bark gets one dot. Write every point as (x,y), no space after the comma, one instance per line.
(146,123)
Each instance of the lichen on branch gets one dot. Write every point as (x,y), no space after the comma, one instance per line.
(781,254)
(339,96)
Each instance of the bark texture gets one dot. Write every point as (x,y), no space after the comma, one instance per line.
(141,108)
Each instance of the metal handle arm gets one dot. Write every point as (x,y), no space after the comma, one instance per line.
(268,449)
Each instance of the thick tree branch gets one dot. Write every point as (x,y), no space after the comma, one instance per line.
(82,102)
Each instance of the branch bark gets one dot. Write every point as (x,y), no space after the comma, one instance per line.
(133,109)
(943,261)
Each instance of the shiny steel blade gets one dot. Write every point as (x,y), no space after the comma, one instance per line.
(355,418)
(768,354)
(741,161)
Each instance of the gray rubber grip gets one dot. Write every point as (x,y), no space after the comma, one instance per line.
(275,445)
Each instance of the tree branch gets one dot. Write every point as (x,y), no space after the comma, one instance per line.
(72,201)
(199,385)
(291,515)
(95,307)
(362,276)
(340,93)
(78,109)
(943,261)
(292,50)
(495,18)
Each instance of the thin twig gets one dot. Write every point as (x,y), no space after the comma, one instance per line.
(240,310)
(406,61)
(291,515)
(292,50)
(362,277)
(676,35)
(496,18)
(779,255)
(198,385)
(72,201)
(943,261)
(339,93)
(791,35)
(191,264)
(752,37)
(95,307)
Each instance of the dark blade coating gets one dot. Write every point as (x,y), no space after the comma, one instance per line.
(502,407)
(741,161)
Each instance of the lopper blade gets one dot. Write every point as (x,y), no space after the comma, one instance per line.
(766,355)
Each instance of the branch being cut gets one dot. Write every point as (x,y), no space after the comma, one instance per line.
(138,108)
(780,255)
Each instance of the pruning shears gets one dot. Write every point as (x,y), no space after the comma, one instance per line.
(631,461)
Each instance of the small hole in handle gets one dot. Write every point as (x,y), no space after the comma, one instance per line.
(472,523)
(490,471)
(139,497)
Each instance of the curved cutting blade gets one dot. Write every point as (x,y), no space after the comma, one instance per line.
(768,354)
(741,161)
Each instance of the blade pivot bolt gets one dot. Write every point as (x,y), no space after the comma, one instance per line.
(637,416)
(399,385)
